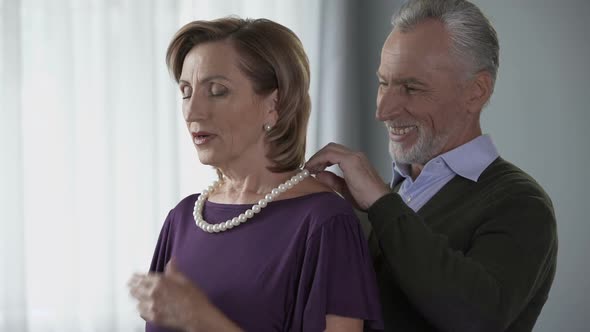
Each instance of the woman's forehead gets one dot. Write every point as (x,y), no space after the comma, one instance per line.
(210,59)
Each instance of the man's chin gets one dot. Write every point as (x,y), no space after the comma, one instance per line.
(400,155)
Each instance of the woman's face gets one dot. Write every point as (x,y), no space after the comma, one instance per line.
(223,114)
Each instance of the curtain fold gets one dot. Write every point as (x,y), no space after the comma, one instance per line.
(13,313)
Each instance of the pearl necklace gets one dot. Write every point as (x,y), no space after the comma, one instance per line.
(248,214)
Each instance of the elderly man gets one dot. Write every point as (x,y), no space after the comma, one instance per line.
(462,240)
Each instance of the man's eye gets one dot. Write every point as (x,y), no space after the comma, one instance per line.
(383,84)
(409,89)
(217,90)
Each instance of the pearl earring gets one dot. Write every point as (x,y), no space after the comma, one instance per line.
(267,127)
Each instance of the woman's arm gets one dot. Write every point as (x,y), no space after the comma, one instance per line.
(343,324)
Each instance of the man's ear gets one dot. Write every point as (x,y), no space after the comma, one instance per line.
(480,90)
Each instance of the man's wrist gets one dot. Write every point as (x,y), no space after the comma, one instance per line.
(378,195)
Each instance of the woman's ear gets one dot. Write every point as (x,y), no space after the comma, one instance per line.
(271,105)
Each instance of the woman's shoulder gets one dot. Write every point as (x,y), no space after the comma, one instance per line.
(182,209)
(188,201)
(321,199)
(318,209)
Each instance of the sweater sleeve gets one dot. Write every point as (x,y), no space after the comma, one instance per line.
(481,289)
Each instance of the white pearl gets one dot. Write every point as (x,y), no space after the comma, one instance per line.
(256,208)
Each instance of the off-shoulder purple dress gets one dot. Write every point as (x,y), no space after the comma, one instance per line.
(285,269)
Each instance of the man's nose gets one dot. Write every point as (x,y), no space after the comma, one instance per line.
(389,104)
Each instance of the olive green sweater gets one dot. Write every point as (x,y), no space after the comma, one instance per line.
(479,256)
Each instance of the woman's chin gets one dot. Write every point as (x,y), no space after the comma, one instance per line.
(207,159)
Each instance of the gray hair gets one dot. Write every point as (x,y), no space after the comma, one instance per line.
(473,37)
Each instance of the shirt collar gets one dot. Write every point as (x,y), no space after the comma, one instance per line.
(468,160)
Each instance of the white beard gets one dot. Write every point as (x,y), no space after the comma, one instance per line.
(426,147)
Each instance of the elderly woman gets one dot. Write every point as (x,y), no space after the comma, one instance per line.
(266,247)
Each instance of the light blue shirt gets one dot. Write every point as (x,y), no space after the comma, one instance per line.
(468,160)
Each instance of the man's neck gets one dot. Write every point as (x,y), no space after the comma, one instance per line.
(415,170)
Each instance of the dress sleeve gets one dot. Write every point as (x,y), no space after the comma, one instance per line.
(337,277)
(162,253)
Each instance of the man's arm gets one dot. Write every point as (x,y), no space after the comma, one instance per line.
(481,290)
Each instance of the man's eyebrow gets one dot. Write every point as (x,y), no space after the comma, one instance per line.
(408,80)
(404,80)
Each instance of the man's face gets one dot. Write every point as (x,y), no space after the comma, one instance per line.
(421,96)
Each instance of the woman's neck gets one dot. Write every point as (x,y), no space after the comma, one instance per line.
(242,186)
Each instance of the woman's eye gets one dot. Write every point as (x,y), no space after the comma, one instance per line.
(217,90)
(187,92)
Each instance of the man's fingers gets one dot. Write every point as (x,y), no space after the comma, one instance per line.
(331,154)
(332,180)
(337,184)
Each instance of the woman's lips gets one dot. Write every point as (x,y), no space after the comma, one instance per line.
(202,137)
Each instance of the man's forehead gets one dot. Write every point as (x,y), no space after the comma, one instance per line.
(416,50)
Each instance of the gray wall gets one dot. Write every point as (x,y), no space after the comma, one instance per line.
(537,118)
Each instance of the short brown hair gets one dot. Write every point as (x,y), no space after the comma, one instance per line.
(272,57)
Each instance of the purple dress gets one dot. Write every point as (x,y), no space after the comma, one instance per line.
(296,261)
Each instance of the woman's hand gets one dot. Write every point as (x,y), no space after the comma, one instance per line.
(170,299)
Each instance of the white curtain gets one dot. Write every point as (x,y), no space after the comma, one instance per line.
(94,152)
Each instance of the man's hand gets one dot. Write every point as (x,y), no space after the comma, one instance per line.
(361,183)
